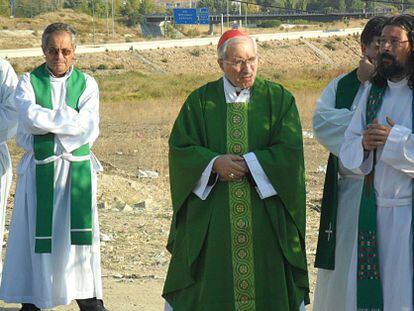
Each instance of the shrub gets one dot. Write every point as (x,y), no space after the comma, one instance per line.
(330,45)
(270,24)
(118,66)
(102,67)
(195,53)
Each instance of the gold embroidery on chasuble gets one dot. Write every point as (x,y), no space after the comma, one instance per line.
(240,212)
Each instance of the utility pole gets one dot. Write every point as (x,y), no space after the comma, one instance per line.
(245,15)
(113,20)
(228,23)
(11,8)
(240,14)
(93,21)
(107,18)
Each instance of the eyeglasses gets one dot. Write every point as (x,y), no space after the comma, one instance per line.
(238,63)
(382,42)
(55,52)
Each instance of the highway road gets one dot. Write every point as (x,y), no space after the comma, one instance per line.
(146,45)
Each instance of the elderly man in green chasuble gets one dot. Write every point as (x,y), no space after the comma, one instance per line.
(237,182)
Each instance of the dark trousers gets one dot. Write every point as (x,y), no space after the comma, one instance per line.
(90,304)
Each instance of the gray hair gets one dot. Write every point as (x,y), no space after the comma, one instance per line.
(58,27)
(222,50)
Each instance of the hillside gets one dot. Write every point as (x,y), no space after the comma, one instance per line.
(26,32)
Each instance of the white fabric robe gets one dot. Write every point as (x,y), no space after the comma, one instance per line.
(394,170)
(8,127)
(333,287)
(69,271)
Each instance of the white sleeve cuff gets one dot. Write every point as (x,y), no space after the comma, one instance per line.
(393,151)
(202,189)
(367,164)
(264,187)
(351,156)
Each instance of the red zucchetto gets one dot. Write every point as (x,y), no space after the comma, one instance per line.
(230,34)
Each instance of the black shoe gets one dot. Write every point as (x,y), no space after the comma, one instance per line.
(91,304)
(29,307)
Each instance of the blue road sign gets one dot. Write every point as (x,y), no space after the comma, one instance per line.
(203,16)
(185,16)
(203,11)
(204,20)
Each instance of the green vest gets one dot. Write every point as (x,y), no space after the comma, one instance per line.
(80,168)
(325,253)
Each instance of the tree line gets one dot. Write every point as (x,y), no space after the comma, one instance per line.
(132,11)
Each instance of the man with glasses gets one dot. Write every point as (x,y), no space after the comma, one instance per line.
(379,146)
(341,196)
(53,253)
(238,192)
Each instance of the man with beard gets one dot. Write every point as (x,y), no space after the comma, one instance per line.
(340,203)
(238,193)
(379,145)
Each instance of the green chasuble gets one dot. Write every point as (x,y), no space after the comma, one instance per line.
(235,251)
(346,91)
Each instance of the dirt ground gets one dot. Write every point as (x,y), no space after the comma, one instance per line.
(141,94)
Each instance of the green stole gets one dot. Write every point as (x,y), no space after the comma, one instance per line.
(325,253)
(80,169)
(369,290)
(241,212)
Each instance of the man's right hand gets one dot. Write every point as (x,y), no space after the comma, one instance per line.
(365,69)
(230,167)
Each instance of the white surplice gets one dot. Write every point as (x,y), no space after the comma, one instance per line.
(8,126)
(394,170)
(333,289)
(69,271)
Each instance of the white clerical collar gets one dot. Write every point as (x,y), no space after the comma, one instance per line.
(399,84)
(67,74)
(235,94)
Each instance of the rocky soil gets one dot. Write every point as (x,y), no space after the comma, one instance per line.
(134,200)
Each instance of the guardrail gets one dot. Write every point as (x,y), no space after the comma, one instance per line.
(214,19)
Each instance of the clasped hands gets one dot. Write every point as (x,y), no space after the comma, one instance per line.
(230,167)
(376,134)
